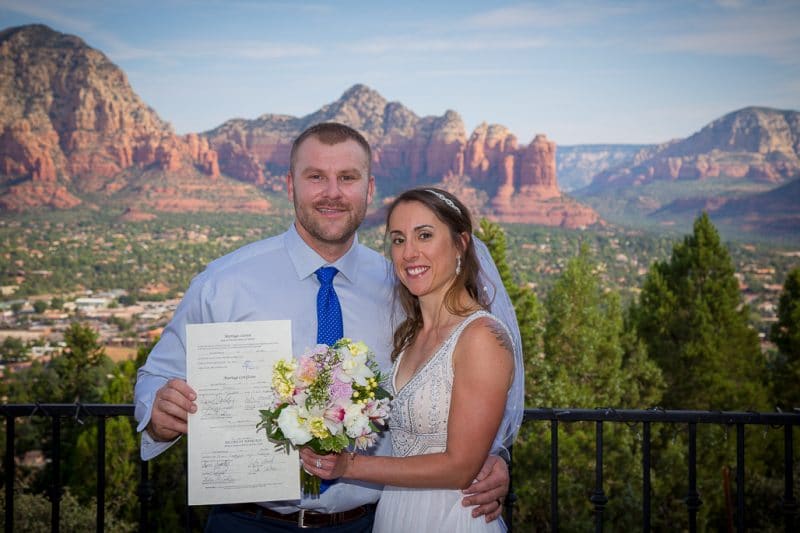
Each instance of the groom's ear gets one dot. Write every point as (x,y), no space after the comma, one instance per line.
(290,186)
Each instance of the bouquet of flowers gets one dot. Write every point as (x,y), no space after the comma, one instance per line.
(329,399)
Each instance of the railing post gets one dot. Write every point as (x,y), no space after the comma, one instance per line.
(740,477)
(646,477)
(693,501)
(10,472)
(101,472)
(55,487)
(554,475)
(598,496)
(145,497)
(789,503)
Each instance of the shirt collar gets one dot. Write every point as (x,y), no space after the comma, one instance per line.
(306,261)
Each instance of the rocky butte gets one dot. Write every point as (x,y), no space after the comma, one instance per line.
(498,177)
(72,128)
(755,143)
(74,133)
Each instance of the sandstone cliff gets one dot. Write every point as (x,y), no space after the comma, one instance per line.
(409,150)
(74,132)
(71,124)
(755,143)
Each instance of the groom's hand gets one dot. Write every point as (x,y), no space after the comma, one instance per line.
(171,407)
(489,490)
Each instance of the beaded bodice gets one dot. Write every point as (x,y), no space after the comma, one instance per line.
(418,420)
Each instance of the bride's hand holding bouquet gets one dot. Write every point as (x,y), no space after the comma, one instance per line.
(329,399)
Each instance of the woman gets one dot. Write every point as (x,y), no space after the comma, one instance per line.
(453,367)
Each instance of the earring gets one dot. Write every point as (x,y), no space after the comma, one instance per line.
(458,265)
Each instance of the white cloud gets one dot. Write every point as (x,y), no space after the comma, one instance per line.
(244,49)
(302,7)
(48,15)
(466,72)
(107,42)
(731,4)
(261,50)
(444,44)
(559,14)
(748,34)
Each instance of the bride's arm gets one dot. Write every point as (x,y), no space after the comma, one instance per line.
(483,365)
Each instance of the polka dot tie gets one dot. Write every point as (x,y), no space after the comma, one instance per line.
(329,322)
(329,313)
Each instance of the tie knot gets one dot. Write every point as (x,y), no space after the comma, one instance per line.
(325,275)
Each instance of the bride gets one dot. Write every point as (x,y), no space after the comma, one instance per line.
(454,365)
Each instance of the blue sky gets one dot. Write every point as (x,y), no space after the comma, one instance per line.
(580,72)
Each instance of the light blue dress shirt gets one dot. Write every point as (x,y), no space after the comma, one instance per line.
(273,279)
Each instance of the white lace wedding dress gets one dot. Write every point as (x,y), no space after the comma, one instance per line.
(419,426)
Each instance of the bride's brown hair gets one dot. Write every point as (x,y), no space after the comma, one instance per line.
(455,215)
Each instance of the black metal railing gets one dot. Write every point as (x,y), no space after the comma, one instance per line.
(57,412)
(598,498)
(691,419)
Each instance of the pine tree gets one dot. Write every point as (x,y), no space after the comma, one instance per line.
(526,305)
(83,365)
(785,333)
(588,360)
(691,317)
(122,451)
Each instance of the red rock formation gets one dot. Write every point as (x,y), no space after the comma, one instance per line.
(758,144)
(487,153)
(70,115)
(537,173)
(25,151)
(31,194)
(562,211)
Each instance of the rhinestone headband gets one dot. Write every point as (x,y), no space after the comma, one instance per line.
(445,199)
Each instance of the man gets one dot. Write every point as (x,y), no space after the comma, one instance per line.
(330,184)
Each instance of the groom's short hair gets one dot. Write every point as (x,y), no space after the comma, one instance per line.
(331,133)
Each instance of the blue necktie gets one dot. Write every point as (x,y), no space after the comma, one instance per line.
(329,313)
(329,322)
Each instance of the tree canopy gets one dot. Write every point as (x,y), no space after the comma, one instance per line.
(785,333)
(691,317)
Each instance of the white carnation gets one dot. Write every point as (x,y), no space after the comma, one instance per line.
(293,426)
(356,423)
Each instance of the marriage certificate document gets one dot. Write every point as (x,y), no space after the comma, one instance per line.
(229,365)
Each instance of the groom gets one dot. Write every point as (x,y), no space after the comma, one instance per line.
(331,185)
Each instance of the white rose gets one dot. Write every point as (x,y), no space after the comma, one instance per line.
(294,428)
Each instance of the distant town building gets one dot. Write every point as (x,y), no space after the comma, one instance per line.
(91,304)
(8,290)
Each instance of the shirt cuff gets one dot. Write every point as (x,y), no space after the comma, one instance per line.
(150,448)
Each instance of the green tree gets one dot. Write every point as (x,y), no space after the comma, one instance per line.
(785,333)
(691,317)
(590,360)
(122,451)
(692,320)
(526,305)
(83,366)
(13,349)
(40,306)
(32,514)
